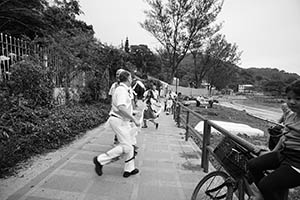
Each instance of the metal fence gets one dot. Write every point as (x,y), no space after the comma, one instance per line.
(13,50)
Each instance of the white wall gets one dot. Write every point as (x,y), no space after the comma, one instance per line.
(190,91)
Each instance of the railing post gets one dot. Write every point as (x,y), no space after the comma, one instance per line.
(174,106)
(205,143)
(241,189)
(178,108)
(187,127)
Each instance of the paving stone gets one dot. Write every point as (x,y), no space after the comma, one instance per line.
(37,198)
(43,193)
(81,167)
(99,148)
(154,155)
(85,156)
(148,192)
(115,190)
(189,177)
(157,147)
(66,183)
(158,164)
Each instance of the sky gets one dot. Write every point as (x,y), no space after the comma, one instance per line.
(266,31)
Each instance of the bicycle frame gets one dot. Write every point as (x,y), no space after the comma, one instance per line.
(243,188)
(210,192)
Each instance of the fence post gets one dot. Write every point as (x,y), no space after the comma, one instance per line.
(187,127)
(178,115)
(205,143)
(174,106)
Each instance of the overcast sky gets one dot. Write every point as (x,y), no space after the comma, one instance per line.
(267,31)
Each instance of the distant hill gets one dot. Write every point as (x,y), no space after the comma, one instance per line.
(272,74)
(256,76)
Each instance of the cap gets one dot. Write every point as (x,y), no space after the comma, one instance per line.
(119,71)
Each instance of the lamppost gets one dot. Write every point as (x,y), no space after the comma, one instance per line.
(176,83)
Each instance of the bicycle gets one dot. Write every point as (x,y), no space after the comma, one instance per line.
(231,183)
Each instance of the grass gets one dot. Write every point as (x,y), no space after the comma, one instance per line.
(221,113)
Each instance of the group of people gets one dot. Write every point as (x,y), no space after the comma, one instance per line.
(283,160)
(126,117)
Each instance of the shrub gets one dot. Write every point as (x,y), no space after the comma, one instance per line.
(31,132)
(31,82)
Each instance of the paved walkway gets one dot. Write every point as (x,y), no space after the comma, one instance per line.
(169,169)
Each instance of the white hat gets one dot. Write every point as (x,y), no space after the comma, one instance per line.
(119,71)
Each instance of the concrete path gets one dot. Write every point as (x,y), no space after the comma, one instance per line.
(169,169)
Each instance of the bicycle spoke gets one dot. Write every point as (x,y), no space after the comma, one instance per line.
(214,186)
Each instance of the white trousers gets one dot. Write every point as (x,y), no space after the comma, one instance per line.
(126,134)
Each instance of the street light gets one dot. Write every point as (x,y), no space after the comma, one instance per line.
(176,84)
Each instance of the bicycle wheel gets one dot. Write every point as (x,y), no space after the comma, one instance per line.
(215,185)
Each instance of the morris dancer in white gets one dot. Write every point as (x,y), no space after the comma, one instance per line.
(120,121)
(112,90)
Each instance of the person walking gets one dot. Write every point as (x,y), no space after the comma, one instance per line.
(111,92)
(152,103)
(120,120)
(284,159)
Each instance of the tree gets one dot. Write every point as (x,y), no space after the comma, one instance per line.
(143,58)
(62,16)
(221,76)
(176,23)
(126,48)
(217,57)
(197,49)
(22,17)
(274,87)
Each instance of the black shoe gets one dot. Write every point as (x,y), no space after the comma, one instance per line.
(144,126)
(116,142)
(98,166)
(133,172)
(156,126)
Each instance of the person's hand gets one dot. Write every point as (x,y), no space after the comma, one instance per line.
(282,139)
(260,150)
(264,151)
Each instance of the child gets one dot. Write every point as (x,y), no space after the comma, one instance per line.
(169,105)
(284,159)
(150,114)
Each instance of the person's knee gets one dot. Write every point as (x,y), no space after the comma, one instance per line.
(265,188)
(127,149)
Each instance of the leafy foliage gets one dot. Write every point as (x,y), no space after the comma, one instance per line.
(144,59)
(30,132)
(31,82)
(177,23)
(22,17)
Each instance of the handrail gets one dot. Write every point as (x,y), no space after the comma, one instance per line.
(179,108)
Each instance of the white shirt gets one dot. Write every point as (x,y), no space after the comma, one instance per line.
(115,85)
(154,92)
(121,96)
(113,88)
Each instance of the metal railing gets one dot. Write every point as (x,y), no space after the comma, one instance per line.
(204,138)
(13,50)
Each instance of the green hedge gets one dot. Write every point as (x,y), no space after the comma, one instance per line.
(27,132)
